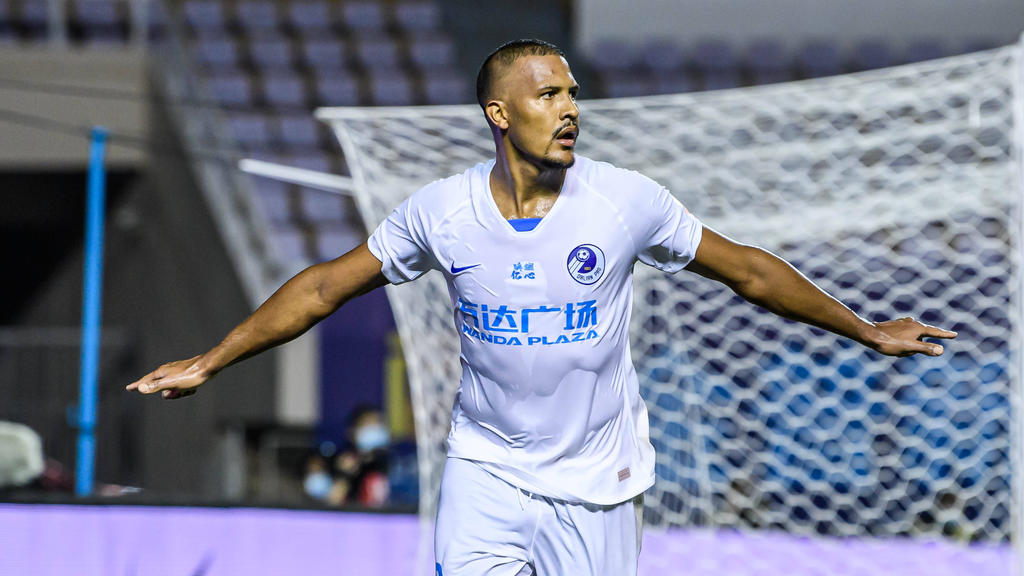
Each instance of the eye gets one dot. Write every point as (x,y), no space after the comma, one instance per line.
(549,94)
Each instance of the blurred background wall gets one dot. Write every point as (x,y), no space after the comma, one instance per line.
(796,21)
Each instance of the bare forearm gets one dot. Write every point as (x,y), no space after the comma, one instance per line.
(306,299)
(777,286)
(289,312)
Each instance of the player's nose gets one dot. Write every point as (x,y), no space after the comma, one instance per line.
(570,111)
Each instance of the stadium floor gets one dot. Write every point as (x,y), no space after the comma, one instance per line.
(147,540)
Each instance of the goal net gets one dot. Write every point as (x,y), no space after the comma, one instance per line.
(897,190)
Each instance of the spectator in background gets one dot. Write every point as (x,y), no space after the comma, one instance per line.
(317,481)
(361,474)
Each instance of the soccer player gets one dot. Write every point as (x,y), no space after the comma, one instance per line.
(549,451)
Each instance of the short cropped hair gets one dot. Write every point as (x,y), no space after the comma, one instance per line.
(505,55)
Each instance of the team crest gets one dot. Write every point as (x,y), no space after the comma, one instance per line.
(586,263)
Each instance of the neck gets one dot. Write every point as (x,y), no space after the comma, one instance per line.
(521,188)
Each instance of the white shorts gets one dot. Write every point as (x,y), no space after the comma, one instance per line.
(488,527)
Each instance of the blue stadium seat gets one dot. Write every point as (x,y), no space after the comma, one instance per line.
(445,86)
(273,198)
(871,55)
(769,62)
(431,50)
(335,241)
(363,16)
(310,17)
(672,83)
(663,56)
(417,15)
(324,52)
(257,15)
(979,44)
(391,88)
(96,14)
(216,52)
(337,88)
(270,52)
(230,88)
(203,15)
(290,242)
(722,79)
(320,206)
(34,17)
(376,52)
(250,130)
(621,84)
(819,58)
(299,131)
(609,55)
(714,56)
(925,49)
(284,89)
(310,160)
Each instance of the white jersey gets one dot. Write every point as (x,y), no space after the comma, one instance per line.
(549,399)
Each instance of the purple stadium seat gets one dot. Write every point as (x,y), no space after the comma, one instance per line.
(432,50)
(363,16)
(337,88)
(284,89)
(445,86)
(872,54)
(270,52)
(309,16)
(299,131)
(204,14)
(290,243)
(819,58)
(216,51)
(256,15)
(324,52)
(926,49)
(273,198)
(391,88)
(621,83)
(320,206)
(609,55)
(335,241)
(250,130)
(417,15)
(230,88)
(375,52)
(663,56)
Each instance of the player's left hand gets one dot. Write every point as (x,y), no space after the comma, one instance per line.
(905,337)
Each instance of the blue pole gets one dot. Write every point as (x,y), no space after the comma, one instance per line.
(92,293)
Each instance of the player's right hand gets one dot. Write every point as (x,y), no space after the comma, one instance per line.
(174,379)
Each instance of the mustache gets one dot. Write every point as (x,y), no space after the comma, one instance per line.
(575,125)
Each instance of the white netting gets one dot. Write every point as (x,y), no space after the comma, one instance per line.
(895,190)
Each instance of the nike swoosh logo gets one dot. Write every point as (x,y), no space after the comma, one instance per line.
(455,270)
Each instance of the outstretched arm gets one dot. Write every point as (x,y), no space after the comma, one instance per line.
(310,296)
(770,282)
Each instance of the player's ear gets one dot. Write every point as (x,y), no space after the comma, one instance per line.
(497,114)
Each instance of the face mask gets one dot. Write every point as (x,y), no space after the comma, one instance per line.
(317,485)
(371,437)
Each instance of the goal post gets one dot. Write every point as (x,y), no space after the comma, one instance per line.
(898,191)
